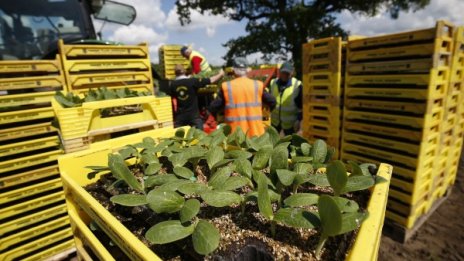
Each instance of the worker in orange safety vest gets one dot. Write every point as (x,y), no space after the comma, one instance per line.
(242,100)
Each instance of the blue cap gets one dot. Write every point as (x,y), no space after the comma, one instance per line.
(287,67)
(183,49)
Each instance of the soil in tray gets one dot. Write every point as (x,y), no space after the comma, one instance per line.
(246,235)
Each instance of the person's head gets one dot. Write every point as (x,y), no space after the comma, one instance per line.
(179,70)
(240,65)
(185,51)
(286,72)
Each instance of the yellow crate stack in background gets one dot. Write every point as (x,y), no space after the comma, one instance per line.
(453,123)
(323,70)
(395,93)
(169,56)
(33,220)
(89,66)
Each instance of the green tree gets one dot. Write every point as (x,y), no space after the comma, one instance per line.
(280,27)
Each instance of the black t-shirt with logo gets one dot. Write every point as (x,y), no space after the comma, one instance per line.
(185,91)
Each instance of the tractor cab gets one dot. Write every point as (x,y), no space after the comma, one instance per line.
(31,29)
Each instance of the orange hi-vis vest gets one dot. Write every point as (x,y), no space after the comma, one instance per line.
(243,105)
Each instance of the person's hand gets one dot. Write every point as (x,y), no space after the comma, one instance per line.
(221,73)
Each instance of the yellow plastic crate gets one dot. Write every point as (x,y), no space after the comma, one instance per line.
(405,209)
(84,238)
(404,220)
(92,66)
(436,76)
(47,241)
(30,190)
(51,251)
(400,66)
(423,107)
(20,208)
(321,118)
(24,235)
(441,30)
(414,197)
(433,140)
(322,129)
(419,183)
(413,162)
(27,220)
(322,86)
(324,109)
(386,130)
(107,51)
(434,92)
(399,52)
(73,165)
(86,120)
(428,120)
(28,161)
(38,83)
(140,80)
(407,173)
(26,131)
(30,66)
(29,145)
(25,176)
(26,115)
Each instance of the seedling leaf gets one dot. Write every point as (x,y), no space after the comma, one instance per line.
(164,201)
(346,205)
(183,172)
(279,158)
(168,231)
(357,183)
(264,201)
(319,151)
(351,221)
(243,166)
(261,158)
(337,176)
(189,210)
(330,215)
(237,154)
(234,183)
(220,198)
(295,217)
(214,155)
(286,176)
(152,169)
(205,238)
(192,188)
(218,179)
(305,149)
(159,180)
(121,171)
(355,169)
(301,200)
(129,200)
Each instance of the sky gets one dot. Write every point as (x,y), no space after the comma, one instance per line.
(157,23)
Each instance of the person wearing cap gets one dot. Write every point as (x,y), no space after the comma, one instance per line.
(184,90)
(288,93)
(197,61)
(242,100)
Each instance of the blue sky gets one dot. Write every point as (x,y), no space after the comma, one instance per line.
(157,23)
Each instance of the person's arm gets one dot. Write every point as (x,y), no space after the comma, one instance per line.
(196,65)
(217,77)
(269,100)
(200,82)
(217,104)
(299,102)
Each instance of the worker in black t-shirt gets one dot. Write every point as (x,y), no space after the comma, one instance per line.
(184,89)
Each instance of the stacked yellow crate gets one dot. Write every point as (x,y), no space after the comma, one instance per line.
(33,220)
(169,56)
(112,66)
(395,92)
(323,65)
(453,124)
(115,67)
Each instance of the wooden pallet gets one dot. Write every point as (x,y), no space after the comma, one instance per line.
(402,234)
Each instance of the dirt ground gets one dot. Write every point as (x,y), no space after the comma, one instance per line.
(440,238)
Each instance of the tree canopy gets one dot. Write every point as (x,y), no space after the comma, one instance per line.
(280,27)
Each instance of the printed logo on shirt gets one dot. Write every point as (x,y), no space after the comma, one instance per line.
(182,93)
